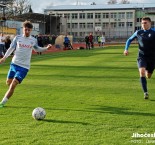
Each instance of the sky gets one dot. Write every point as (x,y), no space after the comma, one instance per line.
(39,5)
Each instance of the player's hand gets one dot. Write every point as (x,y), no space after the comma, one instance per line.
(49,46)
(126,52)
(2,60)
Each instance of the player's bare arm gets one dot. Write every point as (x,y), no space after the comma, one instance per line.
(2,60)
(49,46)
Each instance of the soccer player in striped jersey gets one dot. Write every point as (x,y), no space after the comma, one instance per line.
(22,45)
(146,55)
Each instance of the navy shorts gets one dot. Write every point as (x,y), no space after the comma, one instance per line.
(17,72)
(148,65)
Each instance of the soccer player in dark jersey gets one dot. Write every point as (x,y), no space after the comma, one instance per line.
(146,55)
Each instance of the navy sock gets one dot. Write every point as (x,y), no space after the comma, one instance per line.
(143,83)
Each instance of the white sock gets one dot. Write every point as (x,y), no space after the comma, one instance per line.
(4,100)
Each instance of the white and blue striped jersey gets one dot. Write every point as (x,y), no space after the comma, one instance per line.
(23,47)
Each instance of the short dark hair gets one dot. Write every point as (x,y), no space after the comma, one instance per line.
(27,24)
(147,19)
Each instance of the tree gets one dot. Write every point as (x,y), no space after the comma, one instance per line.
(20,6)
(4,2)
(112,2)
(15,7)
(125,2)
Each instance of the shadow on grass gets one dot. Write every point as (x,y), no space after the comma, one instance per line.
(152,100)
(120,111)
(108,109)
(97,109)
(67,122)
(51,120)
(62,67)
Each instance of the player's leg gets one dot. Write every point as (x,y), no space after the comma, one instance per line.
(143,82)
(98,43)
(10,76)
(148,75)
(9,92)
(11,89)
(102,44)
(19,74)
(64,45)
(92,44)
(86,45)
(149,69)
(9,81)
(67,45)
(142,69)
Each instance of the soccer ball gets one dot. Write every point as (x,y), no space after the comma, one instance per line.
(39,113)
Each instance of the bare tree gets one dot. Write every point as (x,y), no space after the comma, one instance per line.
(14,7)
(4,2)
(125,2)
(22,6)
(112,2)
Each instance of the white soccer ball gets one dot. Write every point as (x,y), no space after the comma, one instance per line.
(39,113)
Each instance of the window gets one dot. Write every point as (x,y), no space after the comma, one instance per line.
(121,24)
(82,33)
(129,24)
(89,15)
(59,15)
(74,25)
(113,25)
(105,15)
(74,16)
(129,15)
(82,16)
(139,19)
(121,15)
(97,24)
(75,34)
(105,25)
(113,15)
(89,25)
(82,25)
(67,16)
(97,16)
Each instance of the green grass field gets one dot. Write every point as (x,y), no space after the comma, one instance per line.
(90,97)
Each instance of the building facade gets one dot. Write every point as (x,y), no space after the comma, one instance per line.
(113,21)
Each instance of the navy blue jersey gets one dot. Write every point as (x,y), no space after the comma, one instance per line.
(146,41)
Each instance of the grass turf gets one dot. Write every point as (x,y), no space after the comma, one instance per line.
(91,97)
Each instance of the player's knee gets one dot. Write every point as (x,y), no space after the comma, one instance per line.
(148,75)
(14,84)
(8,82)
(142,72)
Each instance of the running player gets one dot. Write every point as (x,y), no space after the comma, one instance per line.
(20,65)
(146,55)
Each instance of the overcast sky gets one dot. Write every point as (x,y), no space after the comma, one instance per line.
(39,5)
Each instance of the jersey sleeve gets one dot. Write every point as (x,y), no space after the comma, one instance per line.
(128,42)
(37,48)
(11,48)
